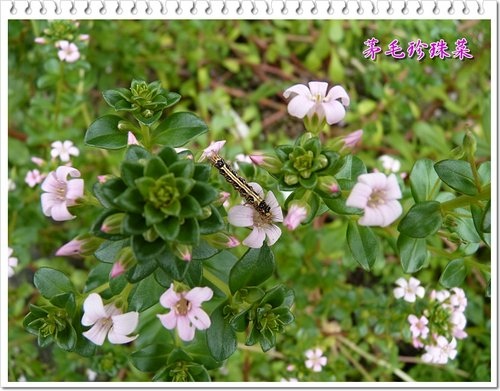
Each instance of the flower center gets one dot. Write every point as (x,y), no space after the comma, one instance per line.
(377,198)
(61,191)
(318,98)
(183,306)
(260,220)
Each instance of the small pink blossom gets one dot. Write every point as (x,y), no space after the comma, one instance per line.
(40,40)
(440,296)
(315,360)
(185,313)
(258,160)
(458,299)
(64,150)
(102,178)
(262,226)
(212,149)
(417,343)
(418,326)
(353,138)
(378,196)
(441,352)
(409,290)
(107,320)
(84,37)
(232,242)
(12,262)
(307,101)
(67,51)
(296,215)
(33,178)
(61,193)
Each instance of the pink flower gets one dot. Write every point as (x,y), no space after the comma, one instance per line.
(185,313)
(458,299)
(417,343)
(418,326)
(72,248)
(40,40)
(107,320)
(38,161)
(296,215)
(67,51)
(63,150)
(440,296)
(212,149)
(262,226)
(377,195)
(33,178)
(83,37)
(61,193)
(314,100)
(441,352)
(102,178)
(409,290)
(315,360)
(353,139)
(12,262)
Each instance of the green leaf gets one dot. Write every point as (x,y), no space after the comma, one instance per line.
(130,201)
(115,98)
(413,253)
(134,224)
(363,244)
(254,267)
(204,193)
(130,171)
(458,175)
(168,155)
(182,168)
(144,250)
(140,271)
(108,250)
(486,221)
(202,172)
(168,228)
(424,181)
(151,358)
(348,169)
(51,282)
(145,294)
(104,133)
(190,207)
(155,168)
(178,129)
(309,183)
(422,220)
(136,153)
(454,274)
(213,223)
(203,251)
(431,135)
(189,232)
(108,191)
(221,338)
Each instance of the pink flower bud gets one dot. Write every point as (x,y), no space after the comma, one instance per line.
(71,248)
(232,242)
(117,269)
(131,139)
(352,139)
(297,213)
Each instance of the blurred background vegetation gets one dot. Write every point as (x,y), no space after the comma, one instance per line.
(232,74)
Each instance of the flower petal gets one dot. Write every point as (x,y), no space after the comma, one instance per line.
(75,189)
(62,173)
(240,216)
(93,309)
(359,196)
(318,88)
(257,188)
(276,211)
(59,212)
(338,92)
(255,239)
(170,298)
(125,323)
(376,180)
(97,334)
(169,321)
(273,233)
(185,328)
(392,189)
(199,318)
(117,339)
(300,106)
(297,89)
(51,184)
(198,295)
(334,112)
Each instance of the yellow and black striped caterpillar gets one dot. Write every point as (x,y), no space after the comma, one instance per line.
(240,185)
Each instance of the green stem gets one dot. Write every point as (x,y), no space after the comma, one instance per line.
(356,364)
(146,136)
(398,372)
(217,282)
(483,267)
(59,91)
(465,200)
(100,288)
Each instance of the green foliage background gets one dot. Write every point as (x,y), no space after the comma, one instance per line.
(230,72)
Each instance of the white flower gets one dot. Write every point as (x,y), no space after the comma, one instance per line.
(377,195)
(131,139)
(440,296)
(262,226)
(314,100)
(33,178)
(64,150)
(409,290)
(315,359)
(11,185)
(212,149)
(458,299)
(418,326)
(441,352)
(107,320)
(61,193)
(185,313)
(91,375)
(389,163)
(12,262)
(67,51)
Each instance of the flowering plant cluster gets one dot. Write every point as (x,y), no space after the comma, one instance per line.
(438,322)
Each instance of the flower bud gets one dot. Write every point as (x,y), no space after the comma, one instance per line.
(113,224)
(353,139)
(297,213)
(469,144)
(183,251)
(81,245)
(291,179)
(222,240)
(269,163)
(328,185)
